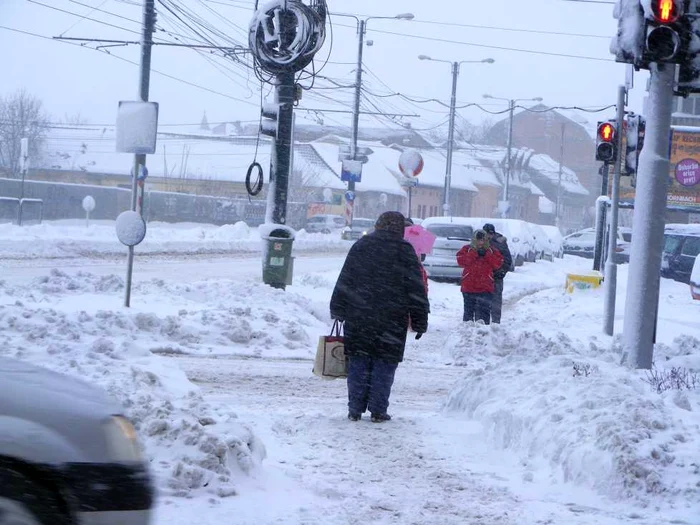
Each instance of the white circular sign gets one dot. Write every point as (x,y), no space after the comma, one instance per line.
(327,195)
(411,163)
(88,203)
(131,228)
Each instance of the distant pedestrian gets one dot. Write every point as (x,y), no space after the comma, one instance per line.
(478,261)
(500,243)
(379,288)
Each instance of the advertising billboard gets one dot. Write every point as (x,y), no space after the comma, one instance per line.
(684,171)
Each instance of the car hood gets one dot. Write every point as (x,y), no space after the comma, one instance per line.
(34,385)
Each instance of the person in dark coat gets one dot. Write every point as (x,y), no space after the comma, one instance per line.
(500,243)
(379,288)
(479,261)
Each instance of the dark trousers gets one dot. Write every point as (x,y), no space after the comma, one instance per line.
(497,302)
(369,384)
(477,306)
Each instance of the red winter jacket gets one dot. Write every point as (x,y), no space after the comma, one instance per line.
(477,276)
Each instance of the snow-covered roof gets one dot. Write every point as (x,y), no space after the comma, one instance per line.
(92,149)
(549,168)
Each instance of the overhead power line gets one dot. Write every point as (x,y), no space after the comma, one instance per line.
(485,46)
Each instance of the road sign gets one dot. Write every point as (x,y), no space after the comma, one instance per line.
(143,172)
(351,171)
(349,195)
(411,163)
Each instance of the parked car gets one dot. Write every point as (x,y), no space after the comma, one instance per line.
(67,454)
(521,240)
(556,241)
(325,223)
(451,233)
(681,248)
(358,229)
(580,243)
(695,279)
(545,249)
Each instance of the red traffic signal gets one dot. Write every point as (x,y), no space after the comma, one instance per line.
(666,11)
(606,132)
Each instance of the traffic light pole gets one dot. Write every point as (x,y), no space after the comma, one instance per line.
(611,263)
(601,212)
(281,156)
(648,225)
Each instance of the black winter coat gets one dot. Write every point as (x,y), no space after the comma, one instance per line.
(379,286)
(499,242)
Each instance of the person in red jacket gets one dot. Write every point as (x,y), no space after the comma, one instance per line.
(479,261)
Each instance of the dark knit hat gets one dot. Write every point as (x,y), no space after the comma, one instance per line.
(392,221)
(489,228)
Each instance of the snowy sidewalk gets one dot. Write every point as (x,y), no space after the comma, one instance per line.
(422,467)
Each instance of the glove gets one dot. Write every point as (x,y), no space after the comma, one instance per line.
(419,335)
(481,252)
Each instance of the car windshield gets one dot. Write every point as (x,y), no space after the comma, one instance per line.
(362,223)
(691,247)
(451,230)
(672,243)
(627,237)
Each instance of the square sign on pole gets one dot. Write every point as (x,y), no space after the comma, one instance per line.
(351,171)
(137,127)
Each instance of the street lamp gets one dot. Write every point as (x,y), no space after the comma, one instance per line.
(511,108)
(361,32)
(451,132)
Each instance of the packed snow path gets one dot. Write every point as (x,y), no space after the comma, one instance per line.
(421,467)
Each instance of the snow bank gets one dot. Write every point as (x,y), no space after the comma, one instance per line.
(74,239)
(60,322)
(603,427)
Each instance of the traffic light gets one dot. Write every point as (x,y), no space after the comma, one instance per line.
(269,123)
(634,133)
(666,32)
(605,148)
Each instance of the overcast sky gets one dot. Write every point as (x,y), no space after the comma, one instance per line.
(71,80)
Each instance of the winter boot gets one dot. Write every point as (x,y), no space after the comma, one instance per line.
(354,417)
(380,418)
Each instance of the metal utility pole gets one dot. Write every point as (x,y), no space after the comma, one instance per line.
(356,110)
(648,224)
(506,188)
(601,212)
(446,209)
(149,23)
(611,263)
(561,169)
(281,156)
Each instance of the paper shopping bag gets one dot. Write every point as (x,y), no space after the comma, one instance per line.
(330,355)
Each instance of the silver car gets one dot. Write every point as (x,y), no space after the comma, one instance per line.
(67,454)
(441,263)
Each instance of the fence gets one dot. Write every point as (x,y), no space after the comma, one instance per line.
(64,201)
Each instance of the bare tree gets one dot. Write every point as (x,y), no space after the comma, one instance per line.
(21,115)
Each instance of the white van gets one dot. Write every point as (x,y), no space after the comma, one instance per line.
(325,223)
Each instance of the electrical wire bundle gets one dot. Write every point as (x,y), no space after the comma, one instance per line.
(286,34)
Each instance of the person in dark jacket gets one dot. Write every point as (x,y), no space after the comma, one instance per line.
(379,288)
(500,243)
(479,261)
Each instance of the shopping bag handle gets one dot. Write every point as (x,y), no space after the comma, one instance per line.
(336,328)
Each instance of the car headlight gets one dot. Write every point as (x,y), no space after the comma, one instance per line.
(364,233)
(122,440)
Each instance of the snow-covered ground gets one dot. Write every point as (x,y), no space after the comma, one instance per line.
(492,424)
(74,238)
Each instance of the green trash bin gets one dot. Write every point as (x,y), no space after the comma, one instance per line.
(278,263)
